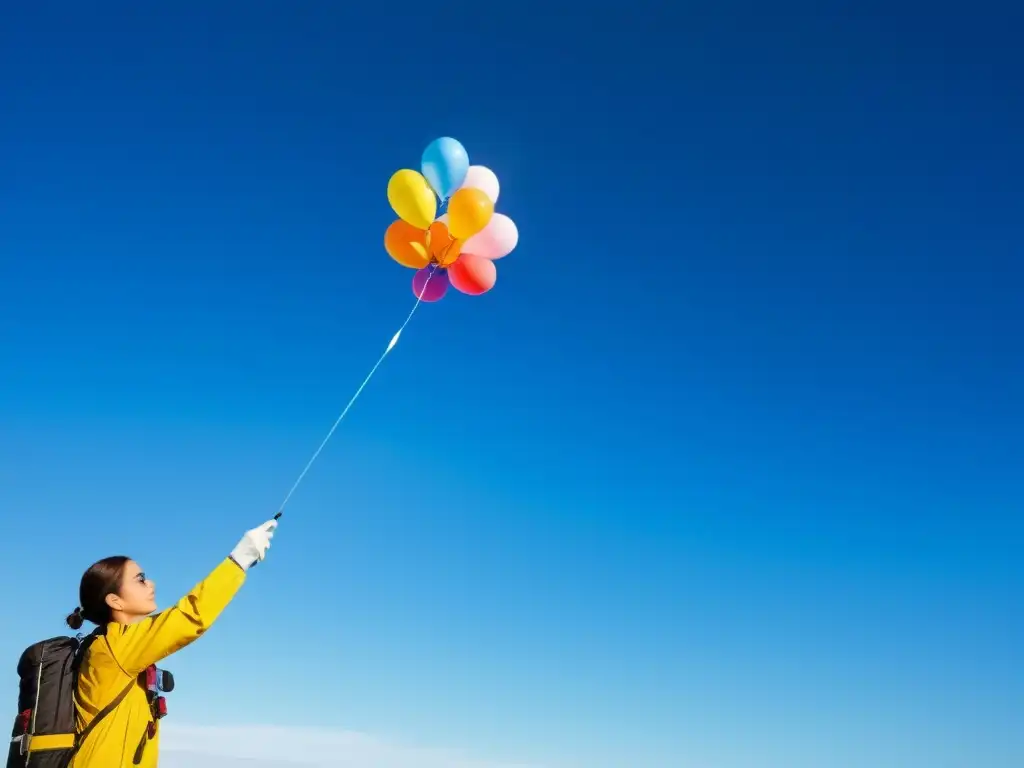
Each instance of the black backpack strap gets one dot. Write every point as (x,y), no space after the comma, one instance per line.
(80,739)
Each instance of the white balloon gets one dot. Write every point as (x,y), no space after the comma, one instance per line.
(484,179)
(495,241)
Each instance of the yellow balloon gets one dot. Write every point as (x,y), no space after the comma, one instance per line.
(469,210)
(412,198)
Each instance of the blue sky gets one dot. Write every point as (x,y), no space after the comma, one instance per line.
(725,472)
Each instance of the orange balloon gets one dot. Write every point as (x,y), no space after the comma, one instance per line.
(407,245)
(469,211)
(444,249)
(473,274)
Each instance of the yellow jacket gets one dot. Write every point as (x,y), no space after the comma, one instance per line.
(123,653)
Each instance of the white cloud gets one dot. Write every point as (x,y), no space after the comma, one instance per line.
(193,746)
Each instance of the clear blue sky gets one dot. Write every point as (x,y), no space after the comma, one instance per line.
(726,471)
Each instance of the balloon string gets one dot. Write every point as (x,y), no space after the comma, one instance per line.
(447,248)
(359,391)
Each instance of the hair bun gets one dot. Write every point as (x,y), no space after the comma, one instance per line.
(75,618)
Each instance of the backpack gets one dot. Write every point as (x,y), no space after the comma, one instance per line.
(44,734)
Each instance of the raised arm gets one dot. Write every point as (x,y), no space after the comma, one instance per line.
(136,646)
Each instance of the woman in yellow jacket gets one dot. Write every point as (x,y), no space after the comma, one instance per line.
(117,596)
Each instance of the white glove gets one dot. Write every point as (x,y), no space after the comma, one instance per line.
(254,545)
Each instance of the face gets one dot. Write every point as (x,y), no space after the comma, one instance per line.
(137,598)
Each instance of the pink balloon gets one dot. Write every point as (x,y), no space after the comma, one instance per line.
(435,289)
(494,241)
(473,274)
(484,179)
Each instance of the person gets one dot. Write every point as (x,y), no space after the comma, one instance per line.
(117,596)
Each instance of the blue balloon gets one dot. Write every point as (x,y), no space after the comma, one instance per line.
(445,164)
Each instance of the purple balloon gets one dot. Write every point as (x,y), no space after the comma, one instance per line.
(436,288)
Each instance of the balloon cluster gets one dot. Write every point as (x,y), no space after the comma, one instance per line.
(458,247)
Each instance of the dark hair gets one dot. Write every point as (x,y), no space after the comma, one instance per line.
(103,578)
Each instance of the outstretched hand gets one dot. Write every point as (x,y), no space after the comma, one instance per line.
(254,545)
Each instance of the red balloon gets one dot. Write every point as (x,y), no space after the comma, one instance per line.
(473,274)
